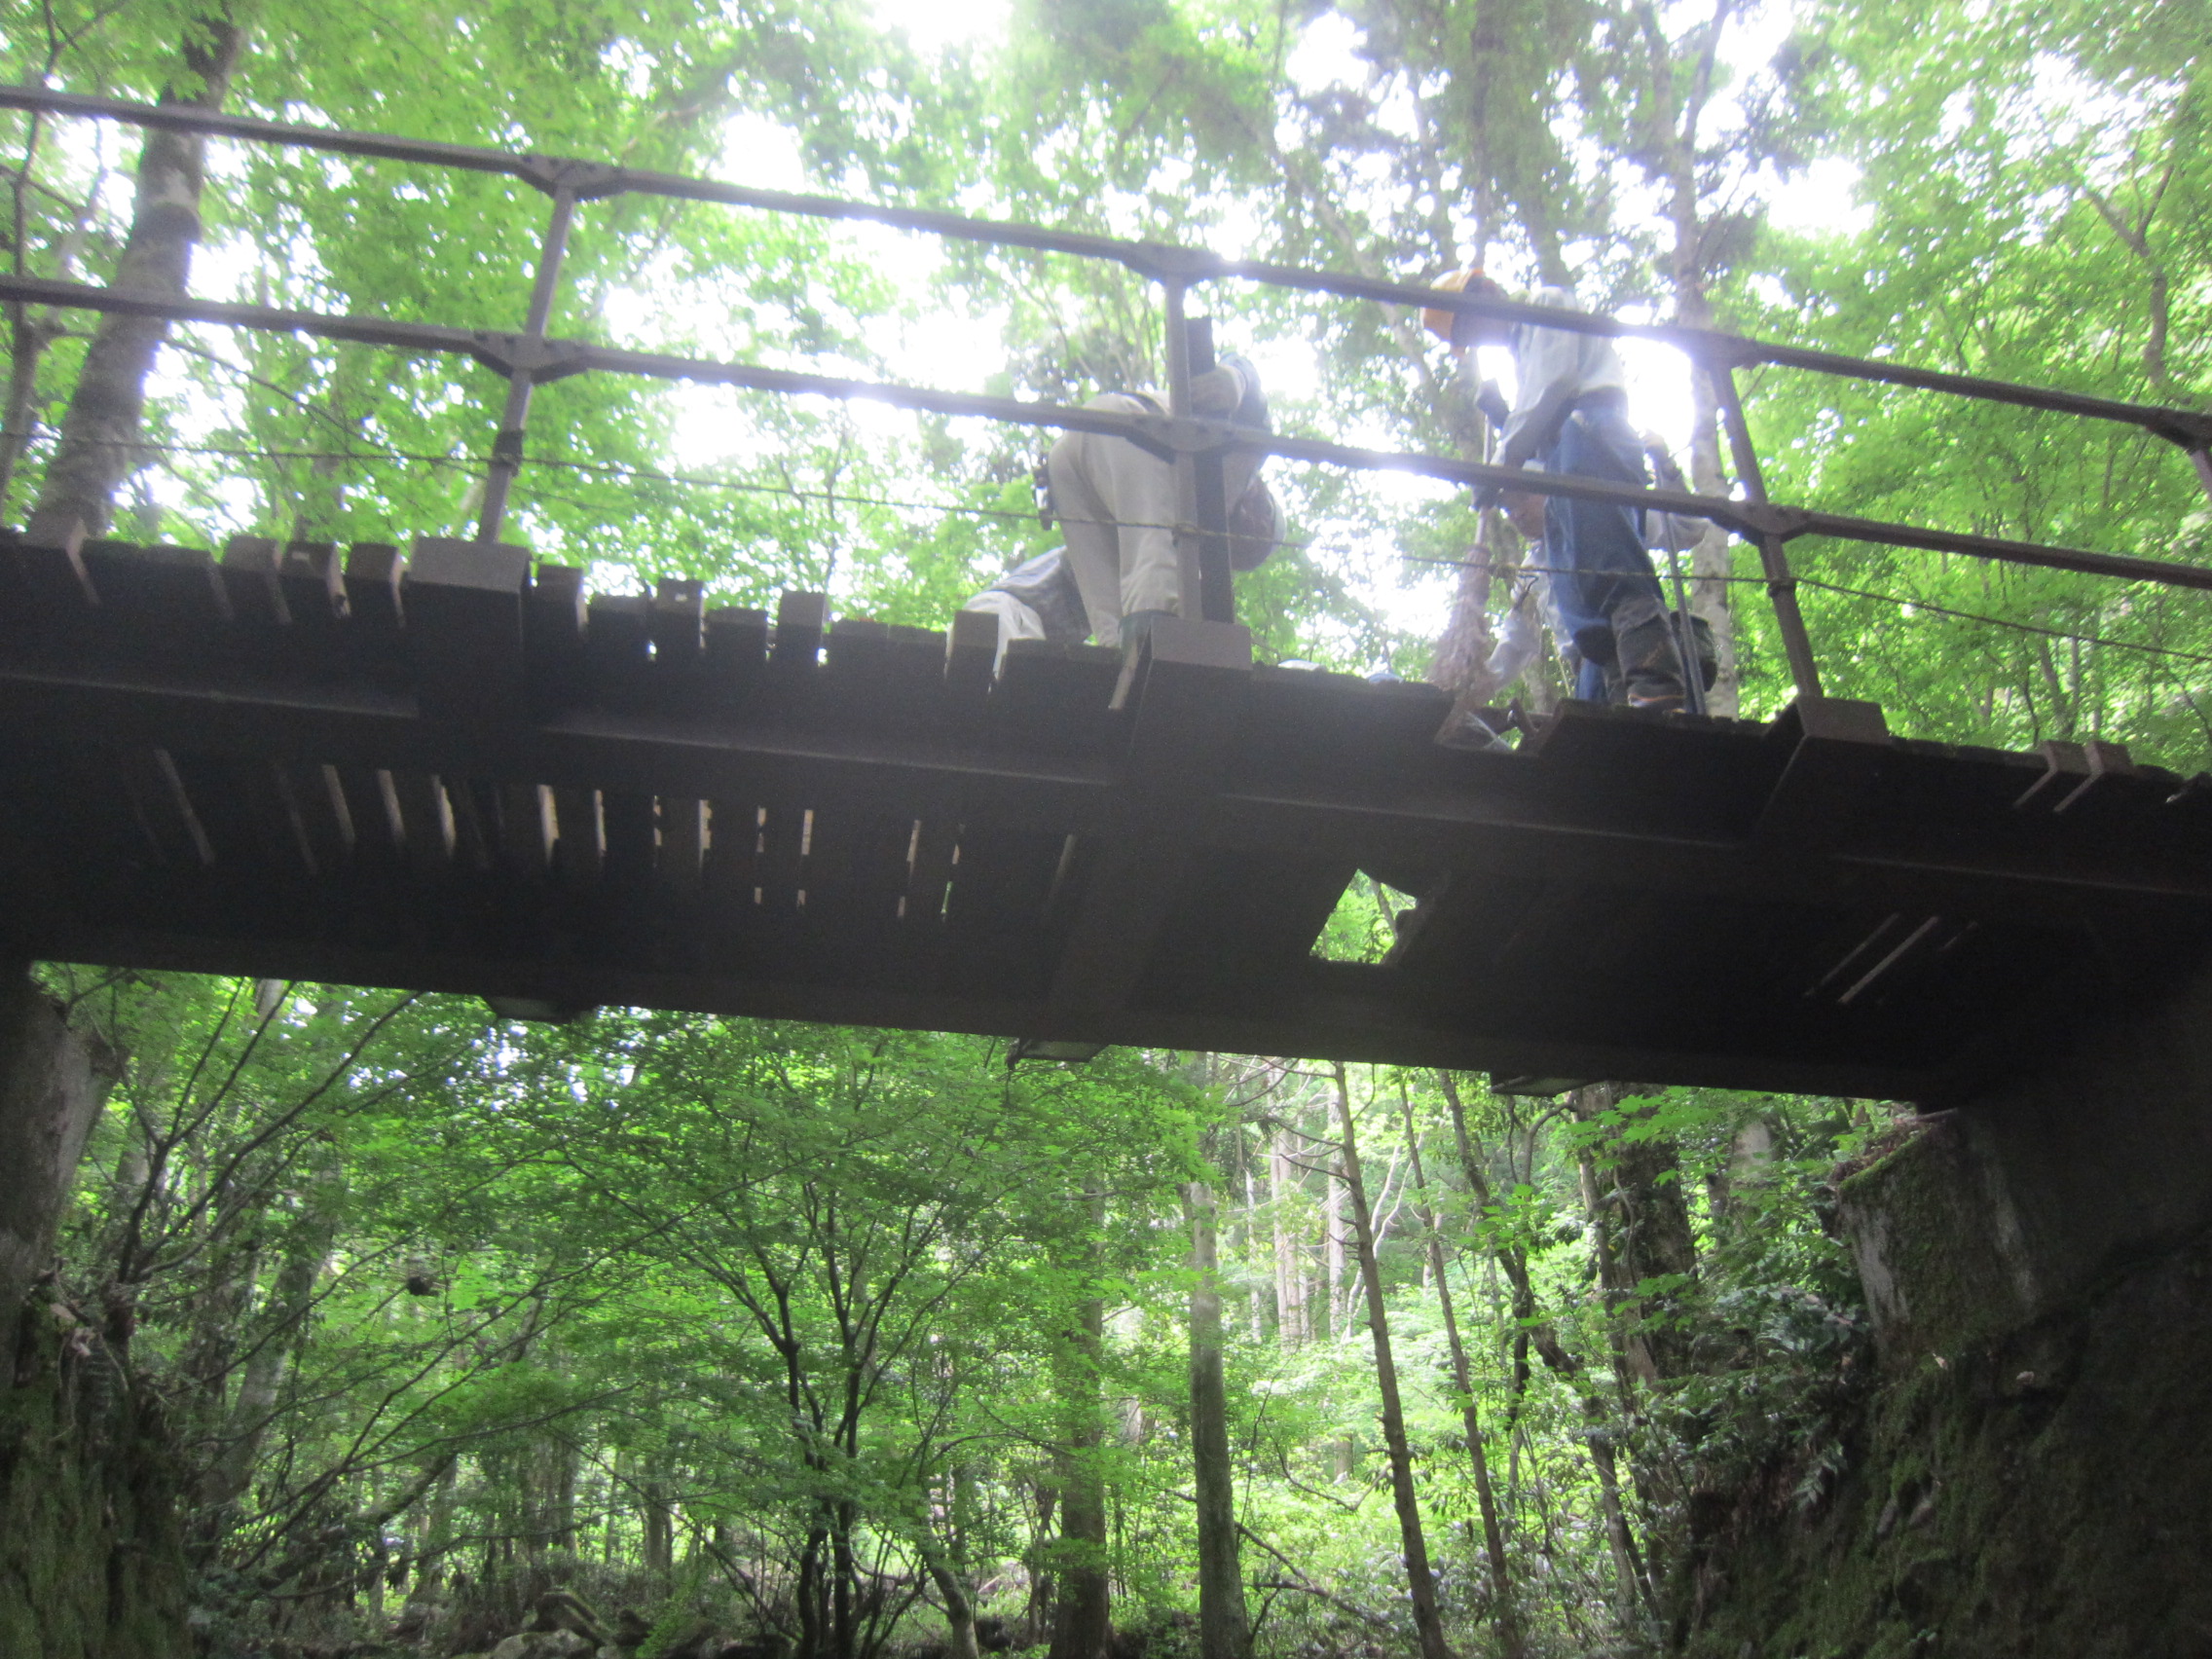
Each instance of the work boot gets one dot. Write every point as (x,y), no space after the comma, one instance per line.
(1650,656)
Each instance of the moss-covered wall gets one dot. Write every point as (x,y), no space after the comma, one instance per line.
(2040,1493)
(2031,1474)
(91,1555)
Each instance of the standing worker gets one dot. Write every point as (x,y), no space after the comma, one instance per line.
(1570,416)
(1116,504)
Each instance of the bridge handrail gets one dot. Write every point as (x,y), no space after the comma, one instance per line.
(1160,260)
(532,357)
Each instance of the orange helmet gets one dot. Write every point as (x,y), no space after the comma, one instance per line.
(1445,324)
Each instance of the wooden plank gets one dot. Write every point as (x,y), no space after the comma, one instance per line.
(16,618)
(525,829)
(676,862)
(255,591)
(778,873)
(312,578)
(971,655)
(618,650)
(1837,749)
(170,825)
(736,656)
(553,637)
(326,817)
(935,843)
(50,561)
(679,630)
(372,807)
(627,822)
(476,807)
(833,838)
(731,866)
(464,624)
(580,848)
(375,572)
(1057,700)
(801,618)
(427,820)
(165,602)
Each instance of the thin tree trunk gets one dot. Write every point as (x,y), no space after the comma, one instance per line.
(1627,1578)
(1419,1582)
(1223,1632)
(1255,1299)
(660,1529)
(959,1607)
(1083,1621)
(1290,1304)
(1333,1255)
(1462,1379)
(100,432)
(289,1301)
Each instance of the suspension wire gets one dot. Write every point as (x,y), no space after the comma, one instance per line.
(792,492)
(1902,601)
(612,470)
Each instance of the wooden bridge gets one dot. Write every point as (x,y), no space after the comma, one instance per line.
(446,770)
(442,770)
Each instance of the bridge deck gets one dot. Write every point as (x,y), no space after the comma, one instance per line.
(443,773)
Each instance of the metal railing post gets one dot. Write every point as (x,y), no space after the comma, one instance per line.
(1217,590)
(522,380)
(1780,585)
(1190,585)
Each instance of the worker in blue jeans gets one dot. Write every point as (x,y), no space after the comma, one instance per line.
(1570,416)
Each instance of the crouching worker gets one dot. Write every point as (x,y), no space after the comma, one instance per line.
(1115,503)
(1570,416)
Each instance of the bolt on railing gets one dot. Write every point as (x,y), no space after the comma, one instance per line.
(530,357)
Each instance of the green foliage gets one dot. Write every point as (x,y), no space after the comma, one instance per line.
(754,1311)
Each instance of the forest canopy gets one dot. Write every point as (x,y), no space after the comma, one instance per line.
(844,1343)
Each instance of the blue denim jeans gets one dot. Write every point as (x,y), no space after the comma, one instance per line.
(1596,552)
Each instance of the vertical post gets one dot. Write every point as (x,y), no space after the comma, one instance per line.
(506,443)
(1217,591)
(1780,585)
(1189,583)
(1686,635)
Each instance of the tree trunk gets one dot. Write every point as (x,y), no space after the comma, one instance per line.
(52,1085)
(1221,1630)
(1462,1379)
(1290,1300)
(289,1302)
(1333,1257)
(1597,1436)
(959,1607)
(1675,126)
(1634,1191)
(659,1528)
(1419,1582)
(31,333)
(100,432)
(1082,1620)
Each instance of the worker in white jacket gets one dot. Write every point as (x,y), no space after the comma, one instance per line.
(1116,504)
